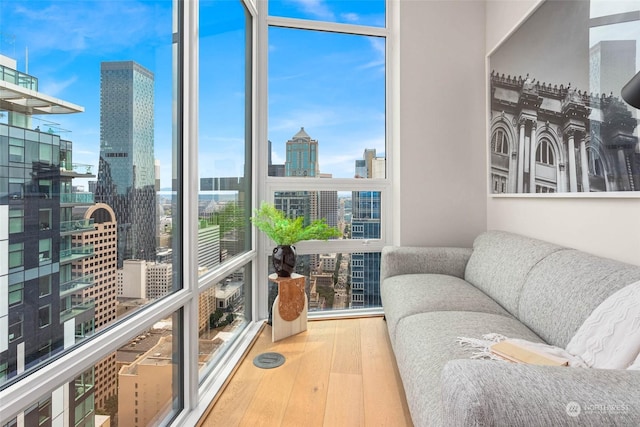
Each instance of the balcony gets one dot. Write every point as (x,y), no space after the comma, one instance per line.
(77,226)
(76,199)
(18,78)
(76,253)
(77,310)
(76,285)
(77,170)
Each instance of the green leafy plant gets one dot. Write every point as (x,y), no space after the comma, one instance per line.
(287,231)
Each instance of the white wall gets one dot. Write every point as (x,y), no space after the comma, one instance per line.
(604,226)
(442,123)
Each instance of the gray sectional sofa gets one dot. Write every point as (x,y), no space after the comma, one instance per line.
(521,288)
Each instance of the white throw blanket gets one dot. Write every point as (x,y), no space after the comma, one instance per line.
(483,351)
(608,339)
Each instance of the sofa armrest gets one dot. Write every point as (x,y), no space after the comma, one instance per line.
(490,393)
(398,260)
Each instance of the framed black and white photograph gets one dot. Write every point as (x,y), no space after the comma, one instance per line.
(558,122)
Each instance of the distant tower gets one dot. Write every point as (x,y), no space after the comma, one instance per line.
(302,156)
(612,64)
(126,175)
(274,169)
(365,224)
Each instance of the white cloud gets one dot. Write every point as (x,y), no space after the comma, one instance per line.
(98,26)
(309,117)
(350,17)
(316,8)
(56,88)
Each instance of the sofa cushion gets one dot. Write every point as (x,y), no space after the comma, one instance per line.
(487,393)
(610,337)
(500,263)
(426,342)
(562,290)
(410,294)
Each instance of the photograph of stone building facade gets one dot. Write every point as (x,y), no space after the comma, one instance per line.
(549,138)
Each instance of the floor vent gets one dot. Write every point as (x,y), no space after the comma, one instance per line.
(268,360)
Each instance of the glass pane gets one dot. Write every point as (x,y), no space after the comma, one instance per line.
(224,133)
(45,153)
(44,316)
(337,281)
(92,171)
(136,382)
(44,250)
(16,225)
(16,293)
(326,104)
(356,214)
(44,285)
(16,153)
(224,310)
(16,253)
(359,12)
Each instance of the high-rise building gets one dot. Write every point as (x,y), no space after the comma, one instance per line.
(126,175)
(302,156)
(612,63)
(365,224)
(274,169)
(100,269)
(302,160)
(132,279)
(42,308)
(159,279)
(328,207)
(144,386)
(208,245)
(365,266)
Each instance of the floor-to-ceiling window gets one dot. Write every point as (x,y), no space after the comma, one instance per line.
(136,137)
(326,141)
(125,189)
(224,175)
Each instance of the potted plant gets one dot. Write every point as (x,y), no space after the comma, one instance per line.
(285,232)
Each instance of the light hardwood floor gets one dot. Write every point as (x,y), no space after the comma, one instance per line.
(337,373)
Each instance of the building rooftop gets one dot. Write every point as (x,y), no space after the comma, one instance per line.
(27,101)
(301,134)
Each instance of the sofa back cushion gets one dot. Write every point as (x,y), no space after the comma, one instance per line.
(562,290)
(500,263)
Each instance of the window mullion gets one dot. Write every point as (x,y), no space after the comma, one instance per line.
(188,100)
(333,27)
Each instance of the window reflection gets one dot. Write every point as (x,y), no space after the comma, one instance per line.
(223,310)
(86,180)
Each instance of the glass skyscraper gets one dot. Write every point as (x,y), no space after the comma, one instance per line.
(43,309)
(302,155)
(126,172)
(365,224)
(365,266)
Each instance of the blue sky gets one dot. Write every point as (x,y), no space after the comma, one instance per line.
(331,84)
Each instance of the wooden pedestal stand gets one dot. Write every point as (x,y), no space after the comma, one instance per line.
(289,315)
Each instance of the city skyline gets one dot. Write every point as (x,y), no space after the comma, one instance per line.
(338,99)
(63,245)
